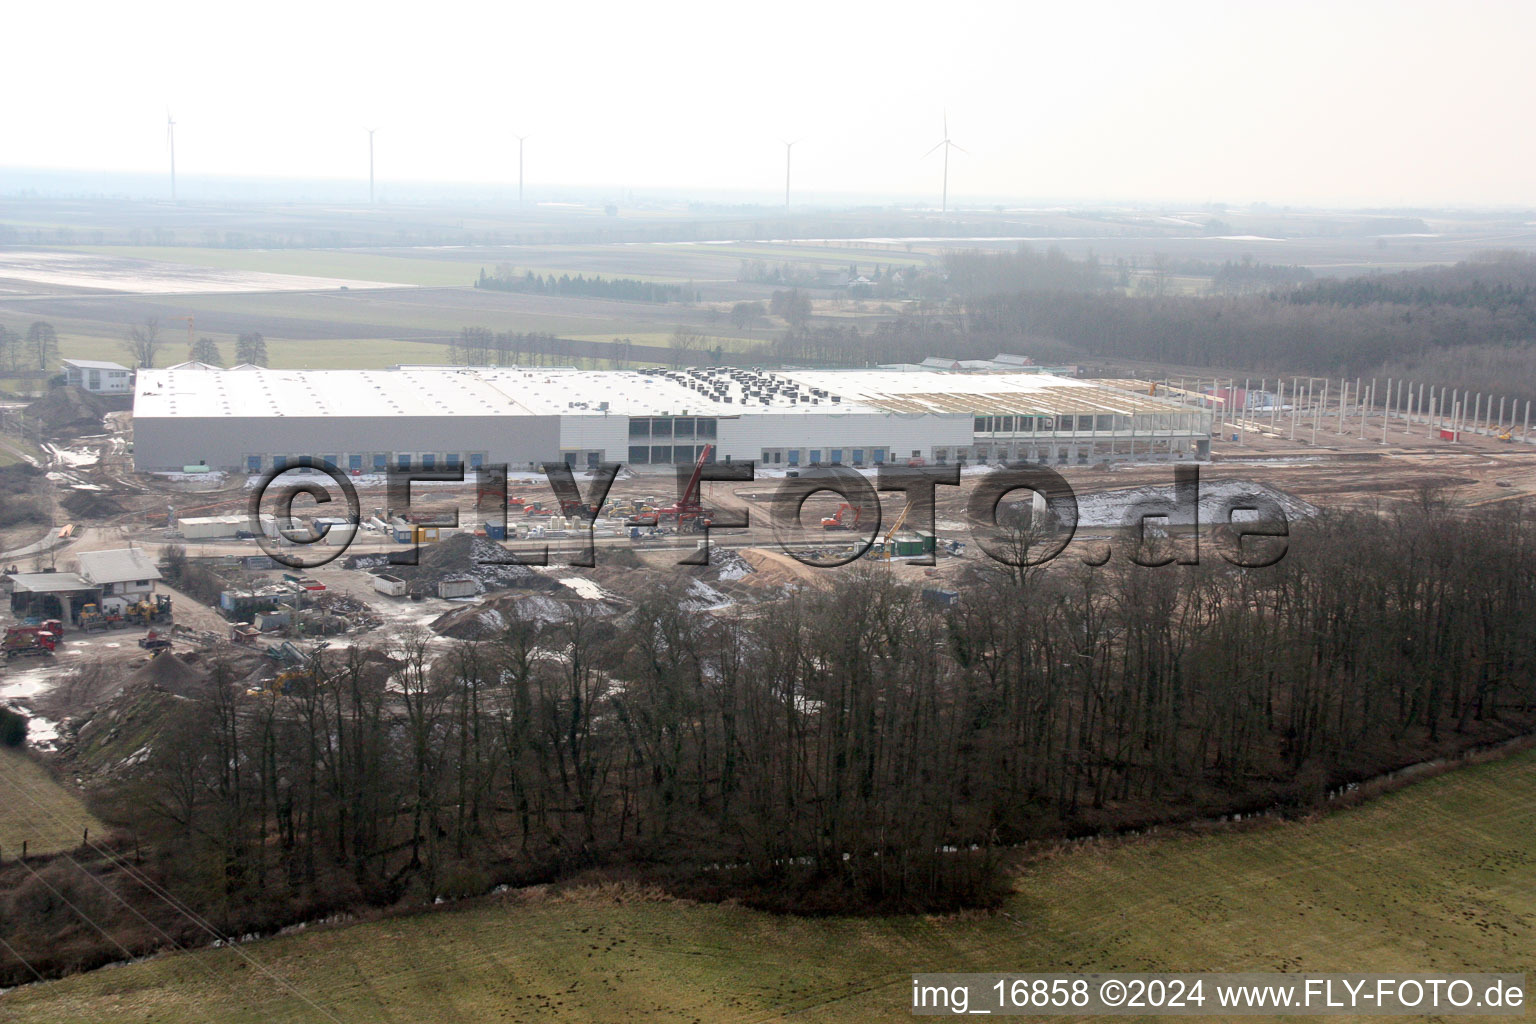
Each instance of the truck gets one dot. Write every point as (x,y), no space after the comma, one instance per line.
(32,641)
(390,586)
(154,642)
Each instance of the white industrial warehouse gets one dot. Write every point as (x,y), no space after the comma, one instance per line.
(363,421)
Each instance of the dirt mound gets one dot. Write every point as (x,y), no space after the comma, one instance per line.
(91,505)
(169,673)
(462,555)
(488,618)
(68,411)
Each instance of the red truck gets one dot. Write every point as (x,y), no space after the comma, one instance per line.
(33,641)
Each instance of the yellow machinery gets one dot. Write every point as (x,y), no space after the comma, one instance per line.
(886,546)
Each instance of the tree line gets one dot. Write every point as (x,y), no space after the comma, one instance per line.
(1061,310)
(627,289)
(845,748)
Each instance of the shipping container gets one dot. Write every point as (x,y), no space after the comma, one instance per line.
(391,586)
(940,598)
(496,531)
(460,587)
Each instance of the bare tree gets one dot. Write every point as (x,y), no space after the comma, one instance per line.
(43,340)
(143,342)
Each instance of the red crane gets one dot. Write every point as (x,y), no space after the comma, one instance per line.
(688,507)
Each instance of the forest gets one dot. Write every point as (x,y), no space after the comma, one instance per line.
(1471,326)
(846,749)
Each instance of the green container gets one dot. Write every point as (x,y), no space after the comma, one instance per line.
(907,544)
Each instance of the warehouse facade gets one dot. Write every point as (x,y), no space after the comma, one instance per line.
(254,419)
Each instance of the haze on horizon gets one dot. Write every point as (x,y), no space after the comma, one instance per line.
(1410,103)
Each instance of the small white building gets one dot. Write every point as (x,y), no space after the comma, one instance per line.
(127,572)
(97,377)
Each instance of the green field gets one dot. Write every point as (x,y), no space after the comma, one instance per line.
(37,809)
(1439,876)
(351,354)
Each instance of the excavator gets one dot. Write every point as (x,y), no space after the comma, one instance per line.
(839,520)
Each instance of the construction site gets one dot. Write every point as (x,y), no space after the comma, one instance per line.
(97,579)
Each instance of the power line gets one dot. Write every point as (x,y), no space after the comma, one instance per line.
(175,904)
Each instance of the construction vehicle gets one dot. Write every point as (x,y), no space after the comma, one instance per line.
(839,520)
(299,671)
(92,617)
(1507,436)
(33,641)
(886,548)
(687,512)
(154,642)
(147,611)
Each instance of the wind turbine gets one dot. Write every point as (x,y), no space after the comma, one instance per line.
(946,145)
(520,139)
(170,140)
(370,132)
(788,148)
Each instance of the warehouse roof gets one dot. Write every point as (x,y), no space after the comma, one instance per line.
(700,391)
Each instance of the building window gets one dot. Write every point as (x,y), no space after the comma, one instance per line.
(661,453)
(981,425)
(708,428)
(661,429)
(640,428)
(683,428)
(639,455)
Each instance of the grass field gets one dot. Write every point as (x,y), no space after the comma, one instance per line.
(38,809)
(351,354)
(1435,877)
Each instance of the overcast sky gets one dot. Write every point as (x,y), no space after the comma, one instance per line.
(1335,103)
